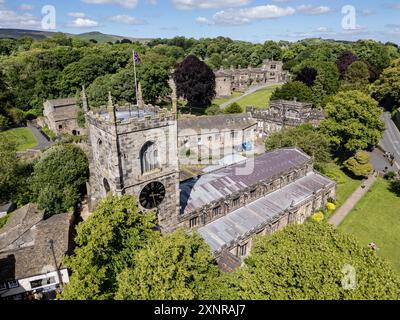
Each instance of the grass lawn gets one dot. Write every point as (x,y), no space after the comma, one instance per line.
(259,99)
(23,137)
(345,184)
(376,218)
(220,101)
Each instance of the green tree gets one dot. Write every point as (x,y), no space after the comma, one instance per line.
(387,88)
(213,110)
(375,53)
(106,244)
(312,261)
(292,90)
(353,121)
(305,137)
(59,178)
(356,77)
(195,81)
(359,165)
(185,271)
(233,108)
(8,169)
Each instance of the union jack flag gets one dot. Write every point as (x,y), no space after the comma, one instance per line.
(136,57)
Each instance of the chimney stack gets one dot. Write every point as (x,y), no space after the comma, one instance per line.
(111,109)
(85,102)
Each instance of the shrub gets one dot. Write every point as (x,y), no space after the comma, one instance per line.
(318,217)
(390,175)
(359,164)
(330,206)
(233,108)
(213,110)
(4,123)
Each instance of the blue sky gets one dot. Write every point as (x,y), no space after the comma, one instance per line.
(250,20)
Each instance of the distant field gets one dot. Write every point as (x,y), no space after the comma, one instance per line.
(259,99)
(23,137)
(376,218)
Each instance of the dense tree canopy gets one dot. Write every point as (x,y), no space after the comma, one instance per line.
(106,244)
(387,88)
(186,270)
(353,121)
(312,262)
(195,81)
(305,137)
(59,178)
(294,90)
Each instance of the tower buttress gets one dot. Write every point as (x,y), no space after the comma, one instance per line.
(85,102)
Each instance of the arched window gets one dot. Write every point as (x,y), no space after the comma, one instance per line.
(149,157)
(106,185)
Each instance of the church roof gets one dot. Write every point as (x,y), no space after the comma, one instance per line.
(196,193)
(220,122)
(255,216)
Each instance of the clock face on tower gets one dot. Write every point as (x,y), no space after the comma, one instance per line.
(152,195)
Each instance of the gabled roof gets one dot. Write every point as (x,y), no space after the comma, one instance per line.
(220,122)
(62,102)
(252,217)
(25,249)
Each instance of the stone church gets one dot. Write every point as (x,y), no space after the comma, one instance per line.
(134,150)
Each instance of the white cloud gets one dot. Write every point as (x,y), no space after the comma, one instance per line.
(203,20)
(309,9)
(127,20)
(76,14)
(130,4)
(11,19)
(83,23)
(25,7)
(324,29)
(367,12)
(208,4)
(248,15)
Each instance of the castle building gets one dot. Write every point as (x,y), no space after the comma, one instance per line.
(228,81)
(61,116)
(134,150)
(285,114)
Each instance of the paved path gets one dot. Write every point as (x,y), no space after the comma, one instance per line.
(43,143)
(346,208)
(250,91)
(391,138)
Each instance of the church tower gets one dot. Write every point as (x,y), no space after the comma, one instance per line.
(134,151)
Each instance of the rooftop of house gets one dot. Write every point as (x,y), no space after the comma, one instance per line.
(220,122)
(56,103)
(257,214)
(24,243)
(196,193)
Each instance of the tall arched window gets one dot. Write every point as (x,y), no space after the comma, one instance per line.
(106,185)
(149,157)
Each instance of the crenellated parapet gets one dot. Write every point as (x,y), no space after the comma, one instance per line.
(129,118)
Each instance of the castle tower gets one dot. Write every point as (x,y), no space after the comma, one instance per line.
(136,153)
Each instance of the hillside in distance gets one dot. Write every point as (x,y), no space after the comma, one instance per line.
(37,34)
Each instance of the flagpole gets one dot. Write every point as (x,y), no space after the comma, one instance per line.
(136,86)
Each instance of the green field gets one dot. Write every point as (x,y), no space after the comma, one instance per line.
(376,218)
(345,184)
(23,137)
(259,99)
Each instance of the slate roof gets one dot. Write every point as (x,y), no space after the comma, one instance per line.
(227,262)
(29,254)
(221,183)
(62,102)
(232,227)
(220,122)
